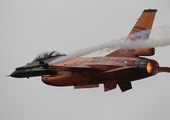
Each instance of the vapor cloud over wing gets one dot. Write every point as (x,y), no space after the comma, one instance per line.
(159,37)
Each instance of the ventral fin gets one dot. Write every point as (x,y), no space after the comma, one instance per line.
(124,86)
(109,85)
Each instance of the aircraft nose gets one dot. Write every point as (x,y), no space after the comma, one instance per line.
(16,74)
(33,72)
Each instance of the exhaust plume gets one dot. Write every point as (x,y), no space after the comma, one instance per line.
(159,37)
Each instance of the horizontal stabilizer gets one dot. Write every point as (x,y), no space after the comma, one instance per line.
(124,86)
(86,86)
(109,85)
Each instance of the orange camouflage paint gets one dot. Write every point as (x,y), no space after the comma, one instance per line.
(117,68)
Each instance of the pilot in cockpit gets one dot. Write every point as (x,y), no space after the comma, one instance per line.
(48,54)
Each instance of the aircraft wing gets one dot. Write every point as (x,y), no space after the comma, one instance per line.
(74,68)
(89,67)
(109,84)
(124,68)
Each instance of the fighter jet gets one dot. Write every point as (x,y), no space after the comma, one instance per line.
(119,67)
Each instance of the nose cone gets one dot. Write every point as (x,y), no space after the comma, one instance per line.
(33,72)
(17,74)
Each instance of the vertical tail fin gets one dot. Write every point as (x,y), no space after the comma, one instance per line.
(144,22)
(141,30)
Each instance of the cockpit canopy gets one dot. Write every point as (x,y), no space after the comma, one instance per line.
(48,54)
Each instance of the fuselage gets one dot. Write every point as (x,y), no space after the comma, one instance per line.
(81,71)
(95,70)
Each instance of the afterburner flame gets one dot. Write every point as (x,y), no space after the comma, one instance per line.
(149,67)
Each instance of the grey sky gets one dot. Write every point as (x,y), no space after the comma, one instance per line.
(32,26)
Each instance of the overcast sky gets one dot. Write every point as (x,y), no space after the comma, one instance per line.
(28,27)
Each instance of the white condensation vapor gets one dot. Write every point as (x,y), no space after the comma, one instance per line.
(160,37)
(113,44)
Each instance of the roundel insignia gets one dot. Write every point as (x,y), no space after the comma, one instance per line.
(123,51)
